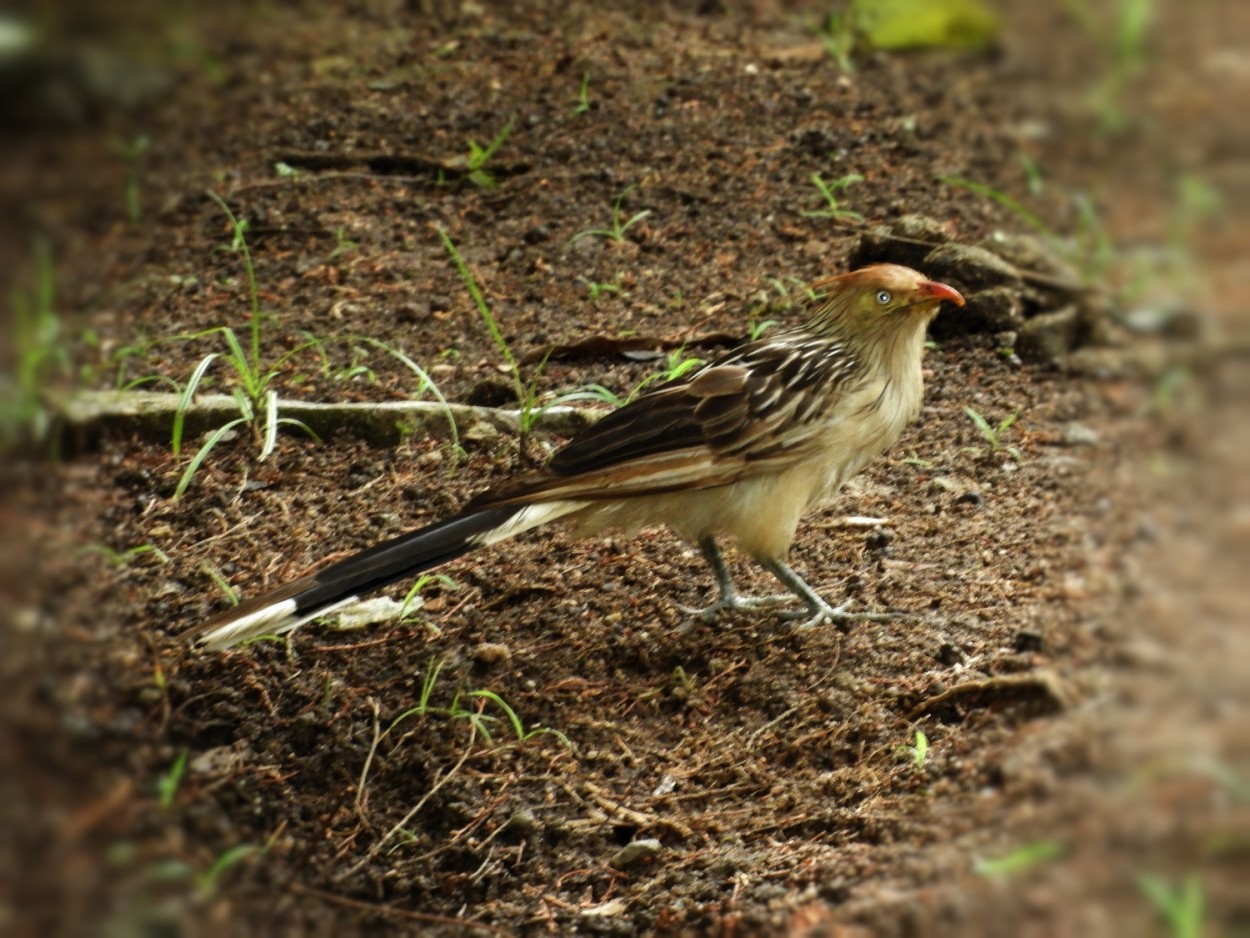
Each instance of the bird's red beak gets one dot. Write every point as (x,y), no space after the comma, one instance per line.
(940,291)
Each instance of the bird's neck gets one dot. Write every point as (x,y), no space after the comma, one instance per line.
(896,348)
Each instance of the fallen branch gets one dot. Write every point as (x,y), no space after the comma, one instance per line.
(150,414)
(1042,684)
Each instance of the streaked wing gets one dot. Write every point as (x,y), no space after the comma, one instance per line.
(754,411)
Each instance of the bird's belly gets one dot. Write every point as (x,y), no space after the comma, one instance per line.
(761,513)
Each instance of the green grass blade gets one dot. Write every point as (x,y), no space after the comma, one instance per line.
(1029,217)
(517,726)
(189,473)
(184,401)
(270,439)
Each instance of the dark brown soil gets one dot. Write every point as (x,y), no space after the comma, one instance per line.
(1071,631)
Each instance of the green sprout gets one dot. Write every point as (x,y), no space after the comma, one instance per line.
(616,233)
(991,433)
(1021,860)
(583,95)
(479,156)
(1181,906)
(830,190)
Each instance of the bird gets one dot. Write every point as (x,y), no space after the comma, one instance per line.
(739,449)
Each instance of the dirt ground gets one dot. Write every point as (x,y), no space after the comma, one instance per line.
(1071,637)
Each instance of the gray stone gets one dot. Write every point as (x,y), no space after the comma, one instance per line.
(1047,339)
(638,851)
(970,269)
(998,309)
(1031,253)
(906,240)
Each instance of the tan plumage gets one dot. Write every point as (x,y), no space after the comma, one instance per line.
(741,448)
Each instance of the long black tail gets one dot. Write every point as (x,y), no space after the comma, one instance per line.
(340,583)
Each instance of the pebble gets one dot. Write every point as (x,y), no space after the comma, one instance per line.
(492,653)
(1077,434)
(1047,339)
(638,851)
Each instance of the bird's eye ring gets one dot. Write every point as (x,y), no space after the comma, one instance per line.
(884,297)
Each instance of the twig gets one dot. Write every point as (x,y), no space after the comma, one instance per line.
(300,890)
(364,770)
(1049,684)
(403,822)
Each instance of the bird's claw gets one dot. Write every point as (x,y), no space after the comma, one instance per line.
(736,603)
(834,615)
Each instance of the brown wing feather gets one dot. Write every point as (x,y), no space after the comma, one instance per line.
(751,412)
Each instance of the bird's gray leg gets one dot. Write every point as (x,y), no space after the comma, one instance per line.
(817,609)
(730,598)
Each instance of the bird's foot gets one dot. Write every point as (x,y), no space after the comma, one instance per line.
(735,603)
(821,612)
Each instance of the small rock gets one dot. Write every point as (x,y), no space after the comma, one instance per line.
(1047,339)
(523,822)
(410,313)
(879,539)
(1144,359)
(1077,434)
(1028,641)
(958,489)
(638,851)
(480,432)
(1099,322)
(949,654)
(1031,253)
(970,269)
(492,653)
(906,240)
(1167,321)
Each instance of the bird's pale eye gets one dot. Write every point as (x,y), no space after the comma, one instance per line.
(884,297)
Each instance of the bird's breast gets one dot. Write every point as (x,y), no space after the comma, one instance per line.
(869,422)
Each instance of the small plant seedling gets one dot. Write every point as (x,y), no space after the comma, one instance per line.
(257,401)
(1122,43)
(993,435)
(919,750)
(583,95)
(220,582)
(1181,906)
(617,232)
(677,365)
(167,785)
(598,289)
(526,392)
(132,152)
(1022,860)
(839,35)
(427,384)
(479,156)
(458,711)
(38,353)
(483,309)
(757,326)
(121,558)
(1034,181)
(411,602)
(206,884)
(342,243)
(830,191)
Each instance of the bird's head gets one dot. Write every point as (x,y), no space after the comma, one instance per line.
(885,301)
